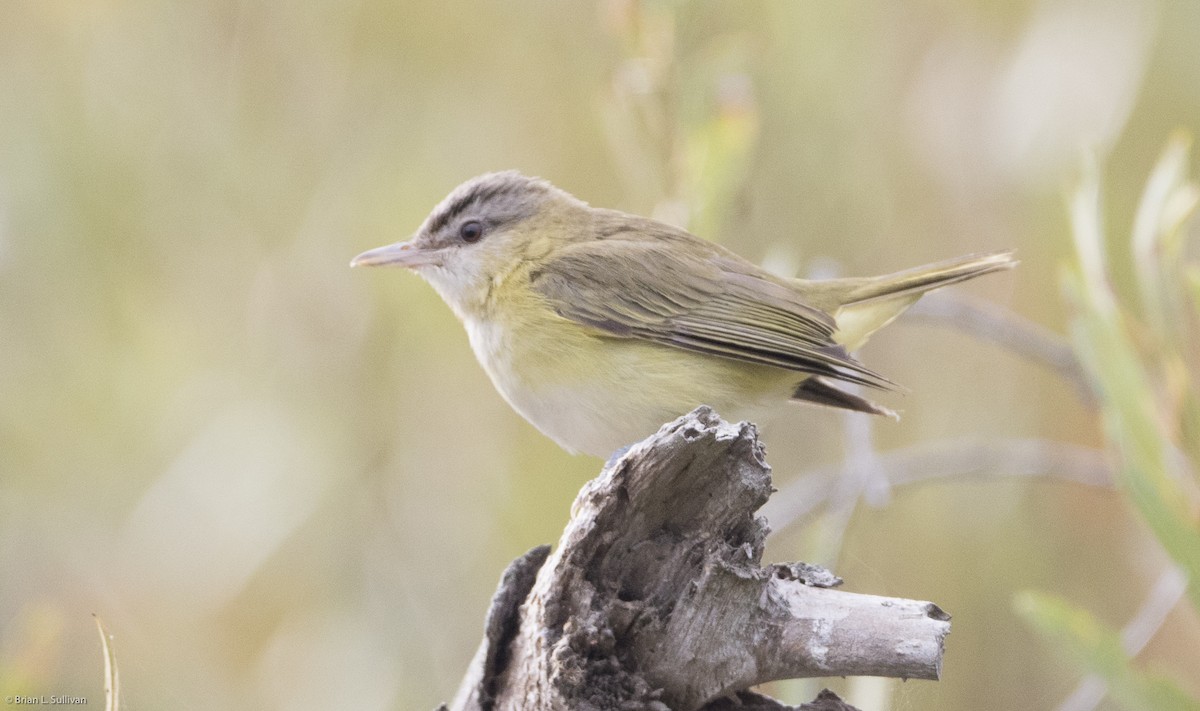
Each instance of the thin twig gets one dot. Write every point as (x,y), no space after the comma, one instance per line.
(989,322)
(976,458)
(112,690)
(860,477)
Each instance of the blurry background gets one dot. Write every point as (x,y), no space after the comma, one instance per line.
(286,485)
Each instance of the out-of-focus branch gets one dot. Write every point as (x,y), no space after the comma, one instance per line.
(1167,592)
(975,458)
(655,597)
(998,325)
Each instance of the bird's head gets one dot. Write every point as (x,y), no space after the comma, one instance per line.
(480,232)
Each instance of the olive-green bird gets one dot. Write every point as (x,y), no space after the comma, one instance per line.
(598,326)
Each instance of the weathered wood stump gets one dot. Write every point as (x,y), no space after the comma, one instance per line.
(655,598)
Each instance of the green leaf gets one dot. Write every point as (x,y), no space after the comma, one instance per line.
(1097,648)
(1141,418)
(1153,227)
(1133,425)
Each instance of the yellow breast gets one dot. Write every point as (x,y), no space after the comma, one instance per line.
(594,393)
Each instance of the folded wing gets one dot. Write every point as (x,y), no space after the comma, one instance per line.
(705,300)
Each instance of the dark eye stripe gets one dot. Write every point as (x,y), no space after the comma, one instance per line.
(478,194)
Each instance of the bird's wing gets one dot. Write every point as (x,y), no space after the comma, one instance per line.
(706,300)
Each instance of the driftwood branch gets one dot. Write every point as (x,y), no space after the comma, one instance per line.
(655,597)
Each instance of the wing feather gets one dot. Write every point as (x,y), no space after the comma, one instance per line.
(712,302)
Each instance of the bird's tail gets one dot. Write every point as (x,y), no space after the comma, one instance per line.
(862,306)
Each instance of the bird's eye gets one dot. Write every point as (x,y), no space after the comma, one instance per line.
(471,231)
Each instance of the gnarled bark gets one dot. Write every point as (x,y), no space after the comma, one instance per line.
(655,597)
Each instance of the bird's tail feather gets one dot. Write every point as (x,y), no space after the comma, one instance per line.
(818,390)
(863,306)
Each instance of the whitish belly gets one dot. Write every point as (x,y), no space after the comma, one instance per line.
(597,395)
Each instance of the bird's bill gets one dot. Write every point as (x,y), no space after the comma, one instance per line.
(401,254)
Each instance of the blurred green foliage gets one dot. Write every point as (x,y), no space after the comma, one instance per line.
(1144,360)
(1099,649)
(1142,351)
(282,484)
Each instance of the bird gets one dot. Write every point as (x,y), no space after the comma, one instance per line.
(598,326)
